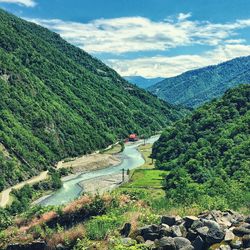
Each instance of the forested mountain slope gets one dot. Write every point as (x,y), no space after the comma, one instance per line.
(194,88)
(143,82)
(58,101)
(208,153)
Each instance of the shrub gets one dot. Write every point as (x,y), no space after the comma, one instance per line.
(99,227)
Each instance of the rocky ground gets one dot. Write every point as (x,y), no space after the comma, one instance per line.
(214,230)
(210,230)
(103,184)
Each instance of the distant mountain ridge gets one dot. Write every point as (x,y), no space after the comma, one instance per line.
(193,88)
(143,82)
(57,101)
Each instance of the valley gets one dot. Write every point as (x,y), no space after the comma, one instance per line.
(90,160)
(61,102)
(85,163)
(73,186)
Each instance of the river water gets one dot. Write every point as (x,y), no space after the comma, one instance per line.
(131,158)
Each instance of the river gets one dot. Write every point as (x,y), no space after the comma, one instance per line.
(131,158)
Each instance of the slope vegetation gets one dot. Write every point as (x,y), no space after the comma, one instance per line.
(58,101)
(196,87)
(143,82)
(208,153)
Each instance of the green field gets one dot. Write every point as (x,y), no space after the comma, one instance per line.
(146,179)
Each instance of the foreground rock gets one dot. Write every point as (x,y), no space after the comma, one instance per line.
(36,245)
(210,230)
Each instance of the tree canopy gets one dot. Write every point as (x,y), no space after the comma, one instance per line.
(208,152)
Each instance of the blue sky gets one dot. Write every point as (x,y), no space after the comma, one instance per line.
(150,38)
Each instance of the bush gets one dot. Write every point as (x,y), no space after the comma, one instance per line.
(101,226)
(5,219)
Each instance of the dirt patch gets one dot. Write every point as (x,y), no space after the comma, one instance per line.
(91,162)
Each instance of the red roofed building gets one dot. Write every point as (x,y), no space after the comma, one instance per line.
(133,137)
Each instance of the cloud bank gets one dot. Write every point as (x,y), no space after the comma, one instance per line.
(120,36)
(175,65)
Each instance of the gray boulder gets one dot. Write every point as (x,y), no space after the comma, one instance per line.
(246,241)
(247,219)
(229,236)
(165,243)
(241,231)
(202,231)
(245,225)
(236,244)
(225,247)
(191,234)
(214,236)
(35,245)
(176,231)
(198,243)
(139,239)
(181,243)
(196,224)
(189,220)
(164,231)
(165,226)
(149,244)
(151,236)
(211,224)
(128,242)
(151,232)
(169,220)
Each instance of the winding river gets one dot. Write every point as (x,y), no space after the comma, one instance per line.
(131,158)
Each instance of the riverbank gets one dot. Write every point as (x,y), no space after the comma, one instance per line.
(103,184)
(5,194)
(91,162)
(100,180)
(84,163)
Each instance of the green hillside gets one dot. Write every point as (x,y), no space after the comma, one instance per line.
(208,153)
(196,87)
(58,101)
(143,82)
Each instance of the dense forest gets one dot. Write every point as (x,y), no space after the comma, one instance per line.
(58,101)
(207,154)
(143,82)
(194,88)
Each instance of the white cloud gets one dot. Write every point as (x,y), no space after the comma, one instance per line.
(137,34)
(27,3)
(183,16)
(133,34)
(172,66)
(235,41)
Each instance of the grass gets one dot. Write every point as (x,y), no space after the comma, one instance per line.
(146,178)
(146,151)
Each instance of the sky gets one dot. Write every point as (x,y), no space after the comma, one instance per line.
(150,38)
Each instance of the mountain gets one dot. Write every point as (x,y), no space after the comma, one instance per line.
(58,101)
(196,87)
(208,152)
(143,82)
